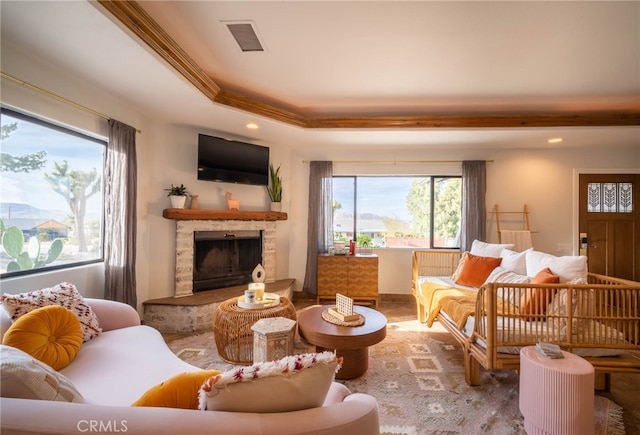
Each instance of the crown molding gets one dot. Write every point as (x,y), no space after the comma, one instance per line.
(134,18)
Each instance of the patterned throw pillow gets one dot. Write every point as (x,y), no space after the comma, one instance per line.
(290,384)
(64,294)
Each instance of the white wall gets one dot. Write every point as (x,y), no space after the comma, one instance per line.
(167,154)
(176,164)
(542,179)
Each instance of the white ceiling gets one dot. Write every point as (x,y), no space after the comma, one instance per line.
(360,58)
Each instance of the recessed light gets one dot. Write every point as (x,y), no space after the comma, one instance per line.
(555,140)
(252,126)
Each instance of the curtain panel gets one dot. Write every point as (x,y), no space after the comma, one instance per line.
(320,221)
(120,180)
(474,211)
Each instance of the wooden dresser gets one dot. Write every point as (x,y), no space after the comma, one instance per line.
(355,276)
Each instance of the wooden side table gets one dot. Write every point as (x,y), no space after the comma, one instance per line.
(232,328)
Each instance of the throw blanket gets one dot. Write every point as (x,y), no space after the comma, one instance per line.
(459,308)
(433,295)
(459,304)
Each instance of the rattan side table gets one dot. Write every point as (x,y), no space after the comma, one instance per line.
(232,328)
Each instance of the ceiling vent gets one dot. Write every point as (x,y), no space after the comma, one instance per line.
(244,32)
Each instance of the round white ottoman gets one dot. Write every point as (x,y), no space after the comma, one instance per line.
(556,395)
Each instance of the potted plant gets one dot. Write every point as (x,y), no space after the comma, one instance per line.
(178,195)
(274,189)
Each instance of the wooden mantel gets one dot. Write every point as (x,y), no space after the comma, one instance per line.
(187,214)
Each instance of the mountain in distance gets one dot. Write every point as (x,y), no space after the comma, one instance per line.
(15,210)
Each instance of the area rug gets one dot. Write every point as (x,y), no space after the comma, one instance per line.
(417,376)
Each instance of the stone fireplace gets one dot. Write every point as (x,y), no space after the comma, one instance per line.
(187,231)
(186,311)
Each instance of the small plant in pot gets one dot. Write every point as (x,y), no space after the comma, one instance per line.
(177,195)
(274,189)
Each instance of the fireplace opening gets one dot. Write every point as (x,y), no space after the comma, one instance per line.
(225,258)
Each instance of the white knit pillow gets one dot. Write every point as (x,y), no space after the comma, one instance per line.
(24,377)
(64,294)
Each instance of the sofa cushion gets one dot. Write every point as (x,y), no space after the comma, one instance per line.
(515,261)
(568,268)
(179,391)
(476,269)
(504,276)
(114,368)
(535,300)
(64,294)
(290,384)
(51,334)
(485,249)
(24,377)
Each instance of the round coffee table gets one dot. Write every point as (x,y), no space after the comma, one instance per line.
(232,328)
(350,342)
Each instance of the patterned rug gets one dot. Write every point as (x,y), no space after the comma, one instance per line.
(417,376)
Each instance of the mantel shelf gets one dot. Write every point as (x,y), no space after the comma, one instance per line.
(187,214)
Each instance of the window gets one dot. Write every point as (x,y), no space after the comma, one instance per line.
(51,207)
(399,211)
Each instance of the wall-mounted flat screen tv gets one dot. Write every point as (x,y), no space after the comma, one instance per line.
(232,161)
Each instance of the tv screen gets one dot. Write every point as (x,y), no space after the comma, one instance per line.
(232,161)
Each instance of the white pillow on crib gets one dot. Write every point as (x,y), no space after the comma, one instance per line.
(568,267)
(484,249)
(501,274)
(515,261)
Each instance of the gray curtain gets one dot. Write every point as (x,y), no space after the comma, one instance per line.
(120,214)
(474,211)
(320,222)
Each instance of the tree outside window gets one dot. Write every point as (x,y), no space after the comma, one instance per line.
(50,197)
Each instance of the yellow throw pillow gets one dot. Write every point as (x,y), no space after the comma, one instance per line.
(50,334)
(179,391)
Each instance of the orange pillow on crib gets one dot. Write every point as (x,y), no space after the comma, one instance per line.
(476,269)
(535,300)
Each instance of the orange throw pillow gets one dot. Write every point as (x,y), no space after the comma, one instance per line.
(179,391)
(535,300)
(475,270)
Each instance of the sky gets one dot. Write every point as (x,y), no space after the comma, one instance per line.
(32,188)
(383,196)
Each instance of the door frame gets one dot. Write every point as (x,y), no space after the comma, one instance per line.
(576,200)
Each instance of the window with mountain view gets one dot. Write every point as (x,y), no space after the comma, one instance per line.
(51,196)
(398,211)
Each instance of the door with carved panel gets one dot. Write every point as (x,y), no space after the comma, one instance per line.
(609,222)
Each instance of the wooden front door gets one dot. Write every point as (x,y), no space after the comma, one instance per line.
(609,222)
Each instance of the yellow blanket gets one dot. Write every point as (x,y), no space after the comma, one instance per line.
(457,303)
(459,308)
(432,296)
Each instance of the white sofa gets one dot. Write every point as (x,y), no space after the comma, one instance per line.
(114,369)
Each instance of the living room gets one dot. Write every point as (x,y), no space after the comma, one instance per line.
(522,168)
(539,174)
